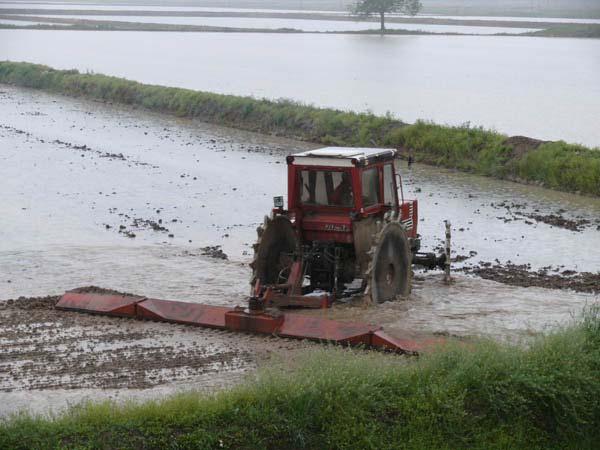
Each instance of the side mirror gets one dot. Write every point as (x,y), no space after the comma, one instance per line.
(278,202)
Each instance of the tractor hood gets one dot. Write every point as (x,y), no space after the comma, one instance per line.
(328,227)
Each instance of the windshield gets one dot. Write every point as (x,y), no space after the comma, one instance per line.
(326,188)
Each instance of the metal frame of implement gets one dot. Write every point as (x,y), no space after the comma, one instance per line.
(254,319)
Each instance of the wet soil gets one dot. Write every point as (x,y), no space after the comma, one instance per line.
(560,221)
(95,290)
(214,252)
(522,144)
(25,303)
(548,277)
(46,349)
(559,218)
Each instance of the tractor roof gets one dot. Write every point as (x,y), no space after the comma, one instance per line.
(342,156)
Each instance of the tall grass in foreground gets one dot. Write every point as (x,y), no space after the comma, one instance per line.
(481,395)
(557,165)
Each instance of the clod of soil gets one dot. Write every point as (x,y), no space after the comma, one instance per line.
(100,290)
(31,303)
(148,223)
(556,219)
(214,252)
(560,221)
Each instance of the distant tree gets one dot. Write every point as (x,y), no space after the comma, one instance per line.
(366,8)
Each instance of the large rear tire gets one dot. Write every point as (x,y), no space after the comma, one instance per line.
(389,274)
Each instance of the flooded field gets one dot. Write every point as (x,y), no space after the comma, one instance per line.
(80,177)
(529,86)
(94,194)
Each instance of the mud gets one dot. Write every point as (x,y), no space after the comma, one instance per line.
(214,252)
(99,290)
(559,218)
(130,224)
(25,303)
(547,277)
(522,144)
(147,223)
(560,221)
(46,350)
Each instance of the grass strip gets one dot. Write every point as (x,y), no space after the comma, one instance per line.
(569,30)
(556,165)
(480,395)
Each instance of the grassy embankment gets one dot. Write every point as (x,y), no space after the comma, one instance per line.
(556,165)
(570,30)
(483,395)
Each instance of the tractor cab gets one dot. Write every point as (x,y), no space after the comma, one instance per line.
(330,177)
(331,190)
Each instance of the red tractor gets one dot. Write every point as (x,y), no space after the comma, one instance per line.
(347,220)
(345,232)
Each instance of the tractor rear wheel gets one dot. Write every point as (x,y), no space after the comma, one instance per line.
(273,251)
(390,272)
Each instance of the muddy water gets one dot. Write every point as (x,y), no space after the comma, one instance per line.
(74,173)
(490,217)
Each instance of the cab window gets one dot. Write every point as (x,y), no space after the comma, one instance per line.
(326,188)
(389,194)
(370,187)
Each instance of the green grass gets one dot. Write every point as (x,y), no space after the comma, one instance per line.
(481,395)
(557,165)
(569,30)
